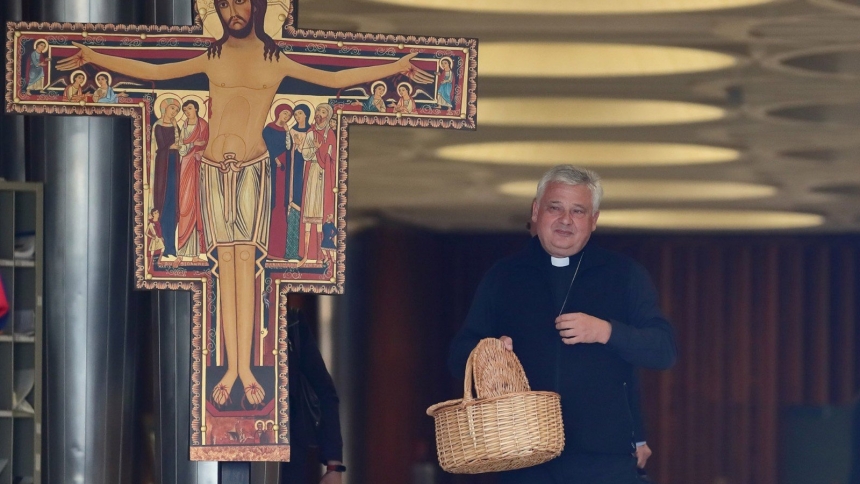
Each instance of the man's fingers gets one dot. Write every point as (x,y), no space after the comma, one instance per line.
(71,63)
(423,77)
(572,340)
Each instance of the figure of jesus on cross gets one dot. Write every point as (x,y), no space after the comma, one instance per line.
(221,172)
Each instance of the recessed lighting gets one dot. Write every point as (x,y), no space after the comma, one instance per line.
(580,7)
(572,112)
(587,153)
(655,219)
(553,59)
(623,190)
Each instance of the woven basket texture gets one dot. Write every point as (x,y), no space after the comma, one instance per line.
(506,426)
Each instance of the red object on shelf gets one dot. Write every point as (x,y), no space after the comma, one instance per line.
(4,303)
(4,306)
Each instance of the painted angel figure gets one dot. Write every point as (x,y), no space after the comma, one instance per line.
(374,102)
(405,105)
(74,92)
(245,68)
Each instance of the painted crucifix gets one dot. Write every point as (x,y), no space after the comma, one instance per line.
(240,165)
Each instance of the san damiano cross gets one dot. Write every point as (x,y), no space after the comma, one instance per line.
(240,168)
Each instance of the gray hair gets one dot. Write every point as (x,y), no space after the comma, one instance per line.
(571,175)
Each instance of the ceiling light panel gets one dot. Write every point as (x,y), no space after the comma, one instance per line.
(585,112)
(573,60)
(656,219)
(578,7)
(587,153)
(623,190)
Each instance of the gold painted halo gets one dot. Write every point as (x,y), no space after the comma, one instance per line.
(156,106)
(373,87)
(40,41)
(277,12)
(106,74)
(75,73)
(408,87)
(450,62)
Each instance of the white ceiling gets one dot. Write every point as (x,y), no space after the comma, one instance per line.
(792,102)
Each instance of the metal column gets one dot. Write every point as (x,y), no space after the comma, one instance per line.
(172,312)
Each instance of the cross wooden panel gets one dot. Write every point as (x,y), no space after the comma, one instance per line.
(241,125)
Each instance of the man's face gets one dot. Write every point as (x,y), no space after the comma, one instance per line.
(236,16)
(322,115)
(563,218)
(377,91)
(40,47)
(102,81)
(79,79)
(189,111)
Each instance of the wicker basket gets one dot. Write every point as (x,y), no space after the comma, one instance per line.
(506,427)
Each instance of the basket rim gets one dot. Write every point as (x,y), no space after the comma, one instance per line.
(451,404)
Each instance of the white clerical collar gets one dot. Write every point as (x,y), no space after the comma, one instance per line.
(560,261)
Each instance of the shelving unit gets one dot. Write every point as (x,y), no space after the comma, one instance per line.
(21,336)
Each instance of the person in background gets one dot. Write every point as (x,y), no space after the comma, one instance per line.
(314,408)
(581,319)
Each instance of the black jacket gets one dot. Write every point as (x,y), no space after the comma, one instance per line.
(517,298)
(305,357)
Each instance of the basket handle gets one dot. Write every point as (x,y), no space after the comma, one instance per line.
(492,371)
(467,382)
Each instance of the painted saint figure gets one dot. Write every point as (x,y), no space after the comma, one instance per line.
(165,173)
(38,63)
(446,83)
(405,105)
(153,231)
(74,92)
(318,151)
(245,68)
(298,133)
(328,245)
(279,144)
(195,136)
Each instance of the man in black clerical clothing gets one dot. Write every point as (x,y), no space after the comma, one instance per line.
(581,319)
